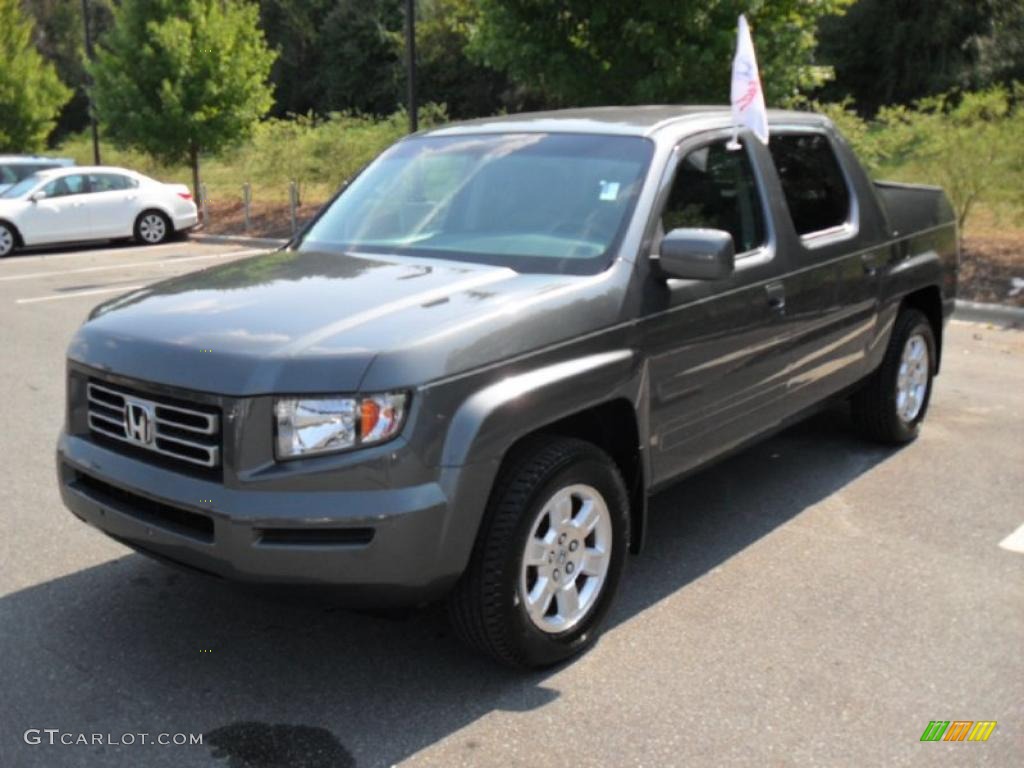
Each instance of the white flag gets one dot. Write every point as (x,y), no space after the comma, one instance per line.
(747,97)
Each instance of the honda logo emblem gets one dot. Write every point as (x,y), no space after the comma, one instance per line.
(138,421)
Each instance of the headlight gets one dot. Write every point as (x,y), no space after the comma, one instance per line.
(312,425)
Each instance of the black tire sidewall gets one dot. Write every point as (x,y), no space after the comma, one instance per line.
(537,647)
(14,240)
(919,326)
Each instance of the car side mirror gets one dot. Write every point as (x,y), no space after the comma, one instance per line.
(697,254)
(37,196)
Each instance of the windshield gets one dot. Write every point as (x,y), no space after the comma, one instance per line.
(23,187)
(533,202)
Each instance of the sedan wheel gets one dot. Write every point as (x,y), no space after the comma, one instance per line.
(152,228)
(6,241)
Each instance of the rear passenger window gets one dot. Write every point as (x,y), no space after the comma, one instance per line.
(812,181)
(715,188)
(109,182)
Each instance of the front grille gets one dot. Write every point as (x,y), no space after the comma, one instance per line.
(155,513)
(169,428)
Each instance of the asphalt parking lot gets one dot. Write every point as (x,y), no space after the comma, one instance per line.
(815,600)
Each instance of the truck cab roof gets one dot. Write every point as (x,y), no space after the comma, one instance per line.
(644,120)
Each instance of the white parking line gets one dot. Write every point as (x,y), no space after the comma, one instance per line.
(168,262)
(1015,541)
(31,257)
(76,294)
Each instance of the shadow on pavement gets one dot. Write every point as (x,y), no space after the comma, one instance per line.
(279,678)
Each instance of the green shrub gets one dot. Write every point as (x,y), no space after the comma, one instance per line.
(971,144)
(318,154)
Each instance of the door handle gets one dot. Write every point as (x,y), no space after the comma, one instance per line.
(776,296)
(870,264)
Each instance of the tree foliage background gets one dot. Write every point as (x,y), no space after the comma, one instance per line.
(31,94)
(478,57)
(177,78)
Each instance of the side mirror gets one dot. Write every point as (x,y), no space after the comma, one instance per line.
(37,196)
(697,254)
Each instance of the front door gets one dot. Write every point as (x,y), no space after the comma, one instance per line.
(716,357)
(60,216)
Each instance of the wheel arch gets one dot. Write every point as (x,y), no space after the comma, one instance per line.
(613,427)
(154,208)
(18,239)
(600,398)
(928,301)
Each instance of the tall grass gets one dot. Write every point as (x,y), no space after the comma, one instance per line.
(970,144)
(317,153)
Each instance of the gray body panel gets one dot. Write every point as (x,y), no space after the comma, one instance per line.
(489,356)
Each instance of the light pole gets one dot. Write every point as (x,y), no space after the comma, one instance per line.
(88,85)
(410,49)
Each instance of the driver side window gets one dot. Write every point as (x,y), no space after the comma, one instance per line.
(715,188)
(65,185)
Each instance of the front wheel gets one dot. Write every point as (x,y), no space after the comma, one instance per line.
(152,227)
(892,403)
(549,556)
(7,240)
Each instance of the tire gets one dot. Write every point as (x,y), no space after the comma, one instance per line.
(894,400)
(545,478)
(8,240)
(153,228)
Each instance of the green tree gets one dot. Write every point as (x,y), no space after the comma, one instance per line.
(582,52)
(899,51)
(178,78)
(1001,50)
(31,93)
(445,73)
(293,28)
(362,57)
(59,36)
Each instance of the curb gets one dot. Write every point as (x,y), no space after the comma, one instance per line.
(237,239)
(975,311)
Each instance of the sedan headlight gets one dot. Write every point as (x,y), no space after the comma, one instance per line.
(308,426)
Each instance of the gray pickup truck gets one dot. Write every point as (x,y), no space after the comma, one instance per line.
(467,375)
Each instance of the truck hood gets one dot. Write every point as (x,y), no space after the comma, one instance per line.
(297,321)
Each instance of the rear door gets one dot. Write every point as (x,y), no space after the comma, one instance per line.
(60,216)
(716,364)
(112,204)
(837,254)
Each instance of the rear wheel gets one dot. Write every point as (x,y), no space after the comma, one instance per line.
(8,240)
(152,227)
(549,556)
(893,402)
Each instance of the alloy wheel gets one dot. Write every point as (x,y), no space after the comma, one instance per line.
(566,558)
(912,378)
(152,228)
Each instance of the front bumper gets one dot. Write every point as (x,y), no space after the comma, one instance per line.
(389,543)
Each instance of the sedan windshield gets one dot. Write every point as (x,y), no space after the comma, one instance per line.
(533,202)
(23,187)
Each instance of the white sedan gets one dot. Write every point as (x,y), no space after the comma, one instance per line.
(78,204)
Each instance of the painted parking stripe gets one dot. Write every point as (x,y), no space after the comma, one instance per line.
(32,257)
(1015,541)
(77,294)
(107,267)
